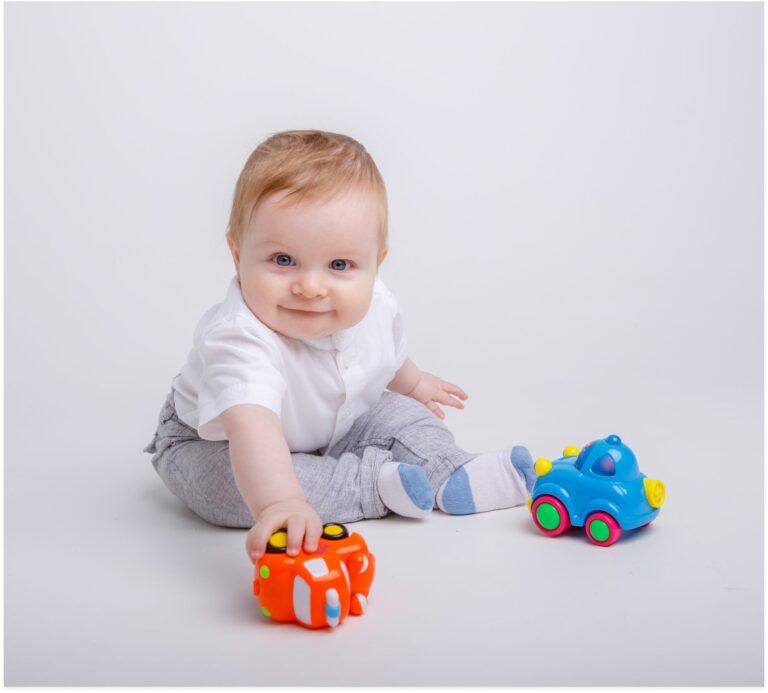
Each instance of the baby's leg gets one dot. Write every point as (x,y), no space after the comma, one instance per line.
(463,482)
(491,481)
(343,488)
(412,433)
(199,474)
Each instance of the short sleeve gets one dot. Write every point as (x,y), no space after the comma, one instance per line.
(238,367)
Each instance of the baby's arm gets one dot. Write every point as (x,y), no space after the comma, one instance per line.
(426,388)
(263,471)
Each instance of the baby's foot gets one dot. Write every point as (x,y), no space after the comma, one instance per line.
(522,461)
(490,481)
(405,490)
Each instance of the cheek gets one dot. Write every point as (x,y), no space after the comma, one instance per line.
(357,299)
(260,291)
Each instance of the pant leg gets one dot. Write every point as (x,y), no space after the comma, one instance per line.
(411,432)
(199,473)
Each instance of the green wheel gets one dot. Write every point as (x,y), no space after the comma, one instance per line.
(550,515)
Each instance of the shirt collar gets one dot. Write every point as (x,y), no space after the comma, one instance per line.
(339,341)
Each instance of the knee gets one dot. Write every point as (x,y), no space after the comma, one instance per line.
(207,487)
(402,411)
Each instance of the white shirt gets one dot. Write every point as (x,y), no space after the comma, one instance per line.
(317,387)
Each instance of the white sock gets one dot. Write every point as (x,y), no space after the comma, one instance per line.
(490,481)
(405,490)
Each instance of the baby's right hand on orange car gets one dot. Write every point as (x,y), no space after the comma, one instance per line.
(297,516)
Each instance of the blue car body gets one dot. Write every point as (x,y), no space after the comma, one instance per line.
(603,477)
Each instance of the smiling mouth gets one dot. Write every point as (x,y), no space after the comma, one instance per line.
(308,313)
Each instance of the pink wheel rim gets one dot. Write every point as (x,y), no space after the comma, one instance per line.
(614,530)
(565,520)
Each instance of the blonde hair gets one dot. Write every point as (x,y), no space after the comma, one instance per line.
(311,164)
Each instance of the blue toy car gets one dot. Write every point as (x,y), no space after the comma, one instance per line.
(599,488)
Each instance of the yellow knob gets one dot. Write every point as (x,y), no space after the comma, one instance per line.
(279,539)
(543,466)
(571,451)
(333,530)
(655,492)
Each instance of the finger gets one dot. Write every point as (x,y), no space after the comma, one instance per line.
(296,527)
(252,549)
(256,541)
(435,408)
(456,390)
(270,523)
(450,400)
(312,537)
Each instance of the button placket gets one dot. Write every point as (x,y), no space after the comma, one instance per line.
(346,359)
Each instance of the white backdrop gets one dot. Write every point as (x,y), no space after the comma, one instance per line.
(576,240)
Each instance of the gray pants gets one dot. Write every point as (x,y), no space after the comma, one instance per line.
(340,486)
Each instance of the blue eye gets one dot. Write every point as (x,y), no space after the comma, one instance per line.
(283,260)
(340,265)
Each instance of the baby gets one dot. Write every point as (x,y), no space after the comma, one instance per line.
(298,404)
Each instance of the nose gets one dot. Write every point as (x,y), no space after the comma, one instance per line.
(309,285)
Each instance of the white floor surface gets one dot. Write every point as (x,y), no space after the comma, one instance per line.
(121,585)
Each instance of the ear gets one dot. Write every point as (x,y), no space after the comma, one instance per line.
(382,254)
(235,253)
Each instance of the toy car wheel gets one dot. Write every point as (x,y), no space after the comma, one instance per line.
(550,515)
(602,529)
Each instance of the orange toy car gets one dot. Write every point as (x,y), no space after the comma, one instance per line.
(317,590)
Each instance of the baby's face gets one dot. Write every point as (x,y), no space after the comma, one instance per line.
(307,269)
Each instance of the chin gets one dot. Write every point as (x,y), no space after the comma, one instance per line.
(293,333)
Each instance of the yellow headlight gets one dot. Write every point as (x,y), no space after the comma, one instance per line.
(543,466)
(571,451)
(654,492)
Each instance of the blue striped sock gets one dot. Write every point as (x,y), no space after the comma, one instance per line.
(490,481)
(405,489)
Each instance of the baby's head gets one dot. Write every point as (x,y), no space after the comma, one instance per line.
(308,231)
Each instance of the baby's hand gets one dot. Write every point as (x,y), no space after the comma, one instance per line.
(433,391)
(297,516)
